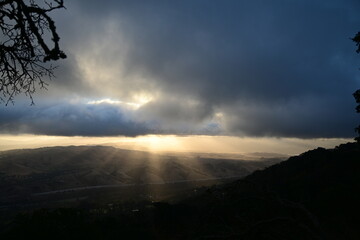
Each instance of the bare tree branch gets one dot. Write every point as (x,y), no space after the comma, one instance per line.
(24,50)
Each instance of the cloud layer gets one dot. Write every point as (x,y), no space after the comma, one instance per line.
(284,69)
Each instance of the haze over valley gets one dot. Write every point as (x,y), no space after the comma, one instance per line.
(31,172)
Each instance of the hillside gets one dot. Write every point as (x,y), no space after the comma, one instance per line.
(325,181)
(25,174)
(310,196)
(314,196)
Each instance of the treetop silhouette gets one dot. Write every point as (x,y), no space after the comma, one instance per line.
(356,94)
(28,42)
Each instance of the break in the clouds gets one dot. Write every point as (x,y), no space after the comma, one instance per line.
(244,68)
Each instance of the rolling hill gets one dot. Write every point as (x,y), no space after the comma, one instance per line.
(29,172)
(310,196)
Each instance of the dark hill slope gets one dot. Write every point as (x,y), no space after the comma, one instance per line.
(311,196)
(325,181)
(315,195)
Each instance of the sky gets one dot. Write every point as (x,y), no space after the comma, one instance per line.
(241,69)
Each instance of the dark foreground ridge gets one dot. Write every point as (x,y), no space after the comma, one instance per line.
(311,196)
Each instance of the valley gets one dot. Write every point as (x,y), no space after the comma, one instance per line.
(77,175)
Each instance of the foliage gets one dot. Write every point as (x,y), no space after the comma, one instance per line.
(357,99)
(356,39)
(356,94)
(28,41)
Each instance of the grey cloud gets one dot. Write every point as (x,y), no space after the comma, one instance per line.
(173,114)
(305,118)
(68,119)
(68,80)
(105,119)
(279,68)
(240,50)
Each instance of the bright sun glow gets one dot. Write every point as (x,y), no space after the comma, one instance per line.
(173,143)
(140,100)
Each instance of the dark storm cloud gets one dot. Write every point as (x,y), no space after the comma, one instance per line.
(313,118)
(268,68)
(70,119)
(104,119)
(237,49)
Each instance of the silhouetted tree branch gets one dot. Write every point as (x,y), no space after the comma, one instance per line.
(357,99)
(356,39)
(28,42)
(356,94)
